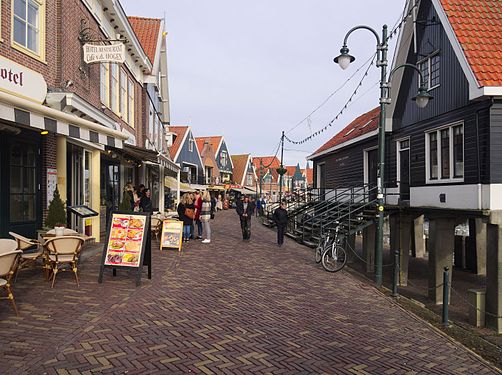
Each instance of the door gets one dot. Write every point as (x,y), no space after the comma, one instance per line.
(110,186)
(23,185)
(404,170)
(321,170)
(75,186)
(372,172)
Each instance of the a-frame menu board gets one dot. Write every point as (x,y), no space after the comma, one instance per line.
(128,244)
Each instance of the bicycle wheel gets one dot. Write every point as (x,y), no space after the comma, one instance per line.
(334,259)
(318,253)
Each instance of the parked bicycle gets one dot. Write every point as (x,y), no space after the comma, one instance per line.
(333,257)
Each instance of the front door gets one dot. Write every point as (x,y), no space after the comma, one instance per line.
(110,186)
(404,170)
(372,172)
(321,169)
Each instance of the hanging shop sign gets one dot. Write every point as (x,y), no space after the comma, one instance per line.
(172,234)
(18,80)
(95,53)
(128,244)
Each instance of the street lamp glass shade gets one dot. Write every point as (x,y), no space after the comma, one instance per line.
(344,59)
(422,98)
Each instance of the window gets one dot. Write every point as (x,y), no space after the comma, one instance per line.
(223,159)
(429,67)
(104,83)
(123,95)
(433,149)
(458,151)
(87,178)
(190,144)
(28,26)
(130,106)
(114,92)
(445,154)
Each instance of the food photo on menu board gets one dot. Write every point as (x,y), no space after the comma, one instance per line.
(126,241)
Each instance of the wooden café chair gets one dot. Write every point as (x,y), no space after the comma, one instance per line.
(156,225)
(9,259)
(32,252)
(62,252)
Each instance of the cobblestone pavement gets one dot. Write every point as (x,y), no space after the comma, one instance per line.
(226,308)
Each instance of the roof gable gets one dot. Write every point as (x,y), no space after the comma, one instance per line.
(181,132)
(240,170)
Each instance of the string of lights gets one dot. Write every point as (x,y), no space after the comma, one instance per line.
(402,20)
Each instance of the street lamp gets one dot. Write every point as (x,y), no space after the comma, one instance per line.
(422,98)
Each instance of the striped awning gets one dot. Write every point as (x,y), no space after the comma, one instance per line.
(27,113)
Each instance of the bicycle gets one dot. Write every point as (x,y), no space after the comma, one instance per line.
(334,257)
(319,250)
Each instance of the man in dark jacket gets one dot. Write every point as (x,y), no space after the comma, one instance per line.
(281,220)
(244,209)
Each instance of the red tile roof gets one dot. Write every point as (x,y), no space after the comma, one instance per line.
(291,170)
(200,144)
(147,31)
(273,161)
(309,172)
(180,134)
(478,27)
(214,141)
(361,125)
(240,167)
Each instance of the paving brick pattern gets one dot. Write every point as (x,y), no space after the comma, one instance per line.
(230,307)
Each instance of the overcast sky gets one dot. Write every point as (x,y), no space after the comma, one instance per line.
(249,69)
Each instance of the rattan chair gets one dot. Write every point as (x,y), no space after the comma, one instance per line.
(61,252)
(32,252)
(8,266)
(156,225)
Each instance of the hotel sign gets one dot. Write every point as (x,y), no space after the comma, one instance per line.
(114,53)
(18,80)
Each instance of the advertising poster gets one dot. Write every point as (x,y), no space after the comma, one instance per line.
(172,234)
(52,182)
(125,244)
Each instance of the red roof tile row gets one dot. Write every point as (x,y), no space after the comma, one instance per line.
(147,31)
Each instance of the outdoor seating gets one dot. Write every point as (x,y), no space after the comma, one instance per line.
(66,232)
(156,225)
(63,252)
(7,245)
(32,252)
(8,266)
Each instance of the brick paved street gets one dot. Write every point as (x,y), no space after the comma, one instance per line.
(226,308)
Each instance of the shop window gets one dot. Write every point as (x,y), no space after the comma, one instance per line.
(22,183)
(114,88)
(104,83)
(123,95)
(87,178)
(28,26)
(130,106)
(445,154)
(430,69)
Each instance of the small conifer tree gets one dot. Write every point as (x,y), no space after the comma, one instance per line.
(57,212)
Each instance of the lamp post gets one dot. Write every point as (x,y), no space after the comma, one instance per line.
(281,171)
(422,98)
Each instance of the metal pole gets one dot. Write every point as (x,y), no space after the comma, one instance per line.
(396,273)
(261,176)
(282,166)
(446,295)
(382,53)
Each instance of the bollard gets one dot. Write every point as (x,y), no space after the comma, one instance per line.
(446,296)
(395,281)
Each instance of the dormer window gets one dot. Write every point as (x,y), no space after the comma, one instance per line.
(350,131)
(430,70)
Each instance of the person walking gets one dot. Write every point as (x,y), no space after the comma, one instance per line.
(245,211)
(205,216)
(258,207)
(219,203)
(198,208)
(281,220)
(184,204)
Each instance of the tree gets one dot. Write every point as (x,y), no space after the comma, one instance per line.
(57,213)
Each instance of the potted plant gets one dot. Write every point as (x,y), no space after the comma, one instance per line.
(56,217)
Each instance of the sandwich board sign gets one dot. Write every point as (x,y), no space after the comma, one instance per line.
(172,235)
(128,244)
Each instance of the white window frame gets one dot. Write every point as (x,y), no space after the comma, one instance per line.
(104,84)
(223,159)
(191,141)
(440,180)
(124,96)
(398,159)
(318,174)
(366,177)
(131,102)
(115,88)
(428,60)
(41,20)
